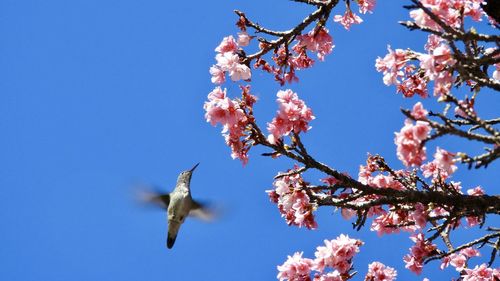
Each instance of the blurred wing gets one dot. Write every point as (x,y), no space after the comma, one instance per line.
(156,198)
(201,211)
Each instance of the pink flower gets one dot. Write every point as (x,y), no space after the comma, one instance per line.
(295,268)
(377,271)
(293,116)
(293,202)
(330,180)
(421,249)
(221,109)
(240,72)
(391,65)
(409,140)
(444,160)
(433,41)
(336,253)
(437,61)
(477,191)
(496,72)
(366,6)
(458,261)
(480,273)
(348,19)
(218,75)
(317,41)
(418,111)
(330,276)
(470,252)
(228,44)
(243,38)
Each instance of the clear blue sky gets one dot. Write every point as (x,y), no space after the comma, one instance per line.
(96,96)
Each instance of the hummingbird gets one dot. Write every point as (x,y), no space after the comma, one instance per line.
(179,204)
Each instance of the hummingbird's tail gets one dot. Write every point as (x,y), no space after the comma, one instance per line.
(173,229)
(170,241)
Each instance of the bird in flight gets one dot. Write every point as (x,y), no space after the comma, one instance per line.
(179,204)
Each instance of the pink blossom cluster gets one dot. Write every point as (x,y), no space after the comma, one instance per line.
(337,255)
(293,201)
(474,220)
(481,273)
(436,66)
(317,41)
(349,18)
(228,60)
(409,142)
(296,268)
(292,116)
(377,271)
(421,250)
(442,166)
(397,71)
(449,12)
(415,218)
(459,260)
(231,114)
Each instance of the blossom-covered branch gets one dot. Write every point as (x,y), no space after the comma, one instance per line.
(421,198)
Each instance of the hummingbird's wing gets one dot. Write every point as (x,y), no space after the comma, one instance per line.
(201,211)
(156,198)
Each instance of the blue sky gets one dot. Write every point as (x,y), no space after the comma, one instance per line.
(99,96)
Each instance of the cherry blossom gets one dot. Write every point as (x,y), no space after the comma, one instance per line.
(481,273)
(317,41)
(336,253)
(293,202)
(295,268)
(366,6)
(421,249)
(293,116)
(409,140)
(377,271)
(349,18)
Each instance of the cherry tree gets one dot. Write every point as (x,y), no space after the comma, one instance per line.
(420,199)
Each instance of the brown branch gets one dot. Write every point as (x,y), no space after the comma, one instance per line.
(482,240)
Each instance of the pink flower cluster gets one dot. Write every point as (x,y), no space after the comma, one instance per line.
(397,72)
(337,254)
(349,18)
(442,166)
(421,250)
(481,273)
(459,260)
(396,220)
(448,12)
(317,41)
(293,202)
(377,271)
(293,116)
(295,268)
(474,220)
(228,61)
(436,66)
(231,114)
(409,142)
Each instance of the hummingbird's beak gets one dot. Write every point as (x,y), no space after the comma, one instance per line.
(194,167)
